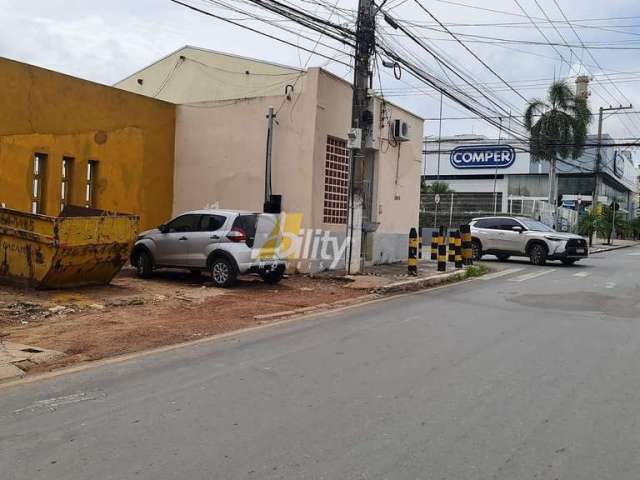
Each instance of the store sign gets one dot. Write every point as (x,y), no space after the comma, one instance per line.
(483,156)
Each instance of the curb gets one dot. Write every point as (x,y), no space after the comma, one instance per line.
(314,308)
(420,283)
(610,248)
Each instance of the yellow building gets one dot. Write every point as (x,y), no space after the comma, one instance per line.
(64,140)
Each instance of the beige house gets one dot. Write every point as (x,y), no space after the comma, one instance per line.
(221,144)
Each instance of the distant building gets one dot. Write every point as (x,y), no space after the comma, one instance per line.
(221,135)
(474,164)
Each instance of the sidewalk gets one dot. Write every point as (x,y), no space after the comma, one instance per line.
(600,246)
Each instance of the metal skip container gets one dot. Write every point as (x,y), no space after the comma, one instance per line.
(82,246)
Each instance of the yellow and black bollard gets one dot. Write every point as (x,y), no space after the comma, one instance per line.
(452,247)
(467,252)
(458,249)
(412,260)
(420,244)
(434,245)
(442,257)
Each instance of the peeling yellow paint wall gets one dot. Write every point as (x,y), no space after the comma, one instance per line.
(130,136)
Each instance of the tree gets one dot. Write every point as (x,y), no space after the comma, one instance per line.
(435,187)
(588,224)
(560,130)
(605,222)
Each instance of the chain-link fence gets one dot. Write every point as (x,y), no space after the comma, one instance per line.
(453,209)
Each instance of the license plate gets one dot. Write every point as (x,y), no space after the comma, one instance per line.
(580,250)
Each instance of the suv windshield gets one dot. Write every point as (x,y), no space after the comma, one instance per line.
(535,226)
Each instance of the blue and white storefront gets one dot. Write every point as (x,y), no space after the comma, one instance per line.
(501,171)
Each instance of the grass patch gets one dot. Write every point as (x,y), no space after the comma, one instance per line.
(475,271)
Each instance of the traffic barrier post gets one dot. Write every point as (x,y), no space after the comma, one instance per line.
(458,249)
(452,248)
(442,258)
(434,245)
(412,260)
(467,253)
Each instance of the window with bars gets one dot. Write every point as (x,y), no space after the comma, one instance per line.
(37,193)
(65,181)
(90,192)
(336,181)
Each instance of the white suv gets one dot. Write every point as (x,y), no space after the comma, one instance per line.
(524,237)
(220,241)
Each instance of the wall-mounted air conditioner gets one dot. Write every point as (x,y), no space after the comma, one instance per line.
(400,130)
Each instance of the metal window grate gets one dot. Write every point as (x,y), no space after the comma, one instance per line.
(90,192)
(65,181)
(37,193)
(336,181)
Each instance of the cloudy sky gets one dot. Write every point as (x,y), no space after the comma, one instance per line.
(106,40)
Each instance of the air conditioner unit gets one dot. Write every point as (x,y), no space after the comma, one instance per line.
(400,130)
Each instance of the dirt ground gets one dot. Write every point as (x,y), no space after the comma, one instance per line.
(133,314)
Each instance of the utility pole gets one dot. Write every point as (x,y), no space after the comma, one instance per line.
(267,164)
(598,164)
(360,176)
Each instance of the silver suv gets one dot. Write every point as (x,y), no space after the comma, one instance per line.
(524,237)
(219,241)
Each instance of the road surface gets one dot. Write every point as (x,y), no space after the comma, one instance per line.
(530,373)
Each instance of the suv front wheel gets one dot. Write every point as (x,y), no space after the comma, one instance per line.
(143,264)
(223,274)
(538,254)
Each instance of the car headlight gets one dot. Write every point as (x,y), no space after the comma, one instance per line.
(554,239)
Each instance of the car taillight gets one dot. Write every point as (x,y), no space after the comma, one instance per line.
(237,234)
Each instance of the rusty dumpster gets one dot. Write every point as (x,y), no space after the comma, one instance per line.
(82,246)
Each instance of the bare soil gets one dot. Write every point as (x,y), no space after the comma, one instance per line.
(133,314)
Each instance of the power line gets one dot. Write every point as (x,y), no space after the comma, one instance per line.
(210,14)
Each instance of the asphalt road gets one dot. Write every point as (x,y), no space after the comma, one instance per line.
(530,373)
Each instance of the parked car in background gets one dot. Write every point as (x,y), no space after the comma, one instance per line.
(218,241)
(524,237)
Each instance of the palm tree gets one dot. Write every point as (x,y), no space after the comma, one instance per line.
(588,224)
(557,128)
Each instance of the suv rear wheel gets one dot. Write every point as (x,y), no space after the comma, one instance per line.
(272,276)
(537,254)
(476,250)
(223,274)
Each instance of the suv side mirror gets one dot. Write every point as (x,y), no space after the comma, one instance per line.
(517,228)
(163,228)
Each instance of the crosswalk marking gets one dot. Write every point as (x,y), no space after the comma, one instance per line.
(529,276)
(635,254)
(508,271)
(609,285)
(581,274)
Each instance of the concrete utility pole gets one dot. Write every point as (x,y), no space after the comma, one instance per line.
(598,164)
(267,164)
(361,177)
